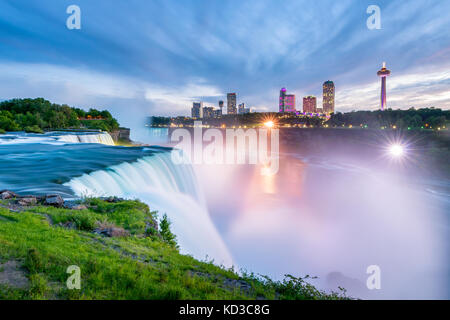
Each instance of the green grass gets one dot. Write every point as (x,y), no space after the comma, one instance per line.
(135,267)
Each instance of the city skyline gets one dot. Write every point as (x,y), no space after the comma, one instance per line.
(159,69)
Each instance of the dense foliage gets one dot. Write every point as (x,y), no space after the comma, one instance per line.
(427,118)
(36,115)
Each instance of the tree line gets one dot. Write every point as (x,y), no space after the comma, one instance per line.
(37,115)
(426,118)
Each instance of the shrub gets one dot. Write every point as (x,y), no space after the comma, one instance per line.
(33,129)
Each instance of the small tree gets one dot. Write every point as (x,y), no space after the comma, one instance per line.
(166,234)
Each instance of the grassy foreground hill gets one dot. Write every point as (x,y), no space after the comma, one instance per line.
(122,252)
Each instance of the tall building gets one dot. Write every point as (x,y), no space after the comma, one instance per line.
(282,99)
(231,103)
(241,108)
(197,110)
(287,101)
(221,107)
(328,97)
(208,112)
(217,113)
(310,104)
(383,73)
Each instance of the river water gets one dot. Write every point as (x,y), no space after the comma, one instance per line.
(323,216)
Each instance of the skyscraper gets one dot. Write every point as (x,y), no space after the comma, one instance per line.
(208,112)
(383,73)
(231,103)
(197,110)
(287,101)
(282,99)
(328,97)
(241,108)
(309,104)
(221,107)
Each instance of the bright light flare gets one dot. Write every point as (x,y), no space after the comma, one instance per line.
(396,150)
(269,124)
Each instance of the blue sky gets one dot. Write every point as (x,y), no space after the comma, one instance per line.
(139,58)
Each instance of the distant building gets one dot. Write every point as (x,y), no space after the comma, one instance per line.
(231,103)
(328,97)
(217,113)
(208,112)
(383,73)
(241,108)
(310,104)
(319,110)
(197,110)
(286,102)
(221,107)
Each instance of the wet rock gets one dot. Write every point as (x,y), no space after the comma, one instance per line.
(54,200)
(6,194)
(27,201)
(112,232)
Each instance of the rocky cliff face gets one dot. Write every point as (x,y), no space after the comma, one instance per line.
(123,134)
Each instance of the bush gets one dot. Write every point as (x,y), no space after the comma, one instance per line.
(33,129)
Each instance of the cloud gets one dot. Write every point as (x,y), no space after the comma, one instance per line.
(161,55)
(81,87)
(416,88)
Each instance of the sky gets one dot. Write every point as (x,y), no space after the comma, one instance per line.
(155,57)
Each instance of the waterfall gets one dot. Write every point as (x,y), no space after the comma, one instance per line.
(102,138)
(167,188)
(57,138)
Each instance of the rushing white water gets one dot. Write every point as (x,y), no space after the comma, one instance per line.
(102,138)
(57,138)
(168,188)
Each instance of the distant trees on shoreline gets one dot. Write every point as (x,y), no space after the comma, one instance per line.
(426,118)
(37,115)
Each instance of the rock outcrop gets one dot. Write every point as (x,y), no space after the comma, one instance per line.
(112,232)
(54,200)
(6,194)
